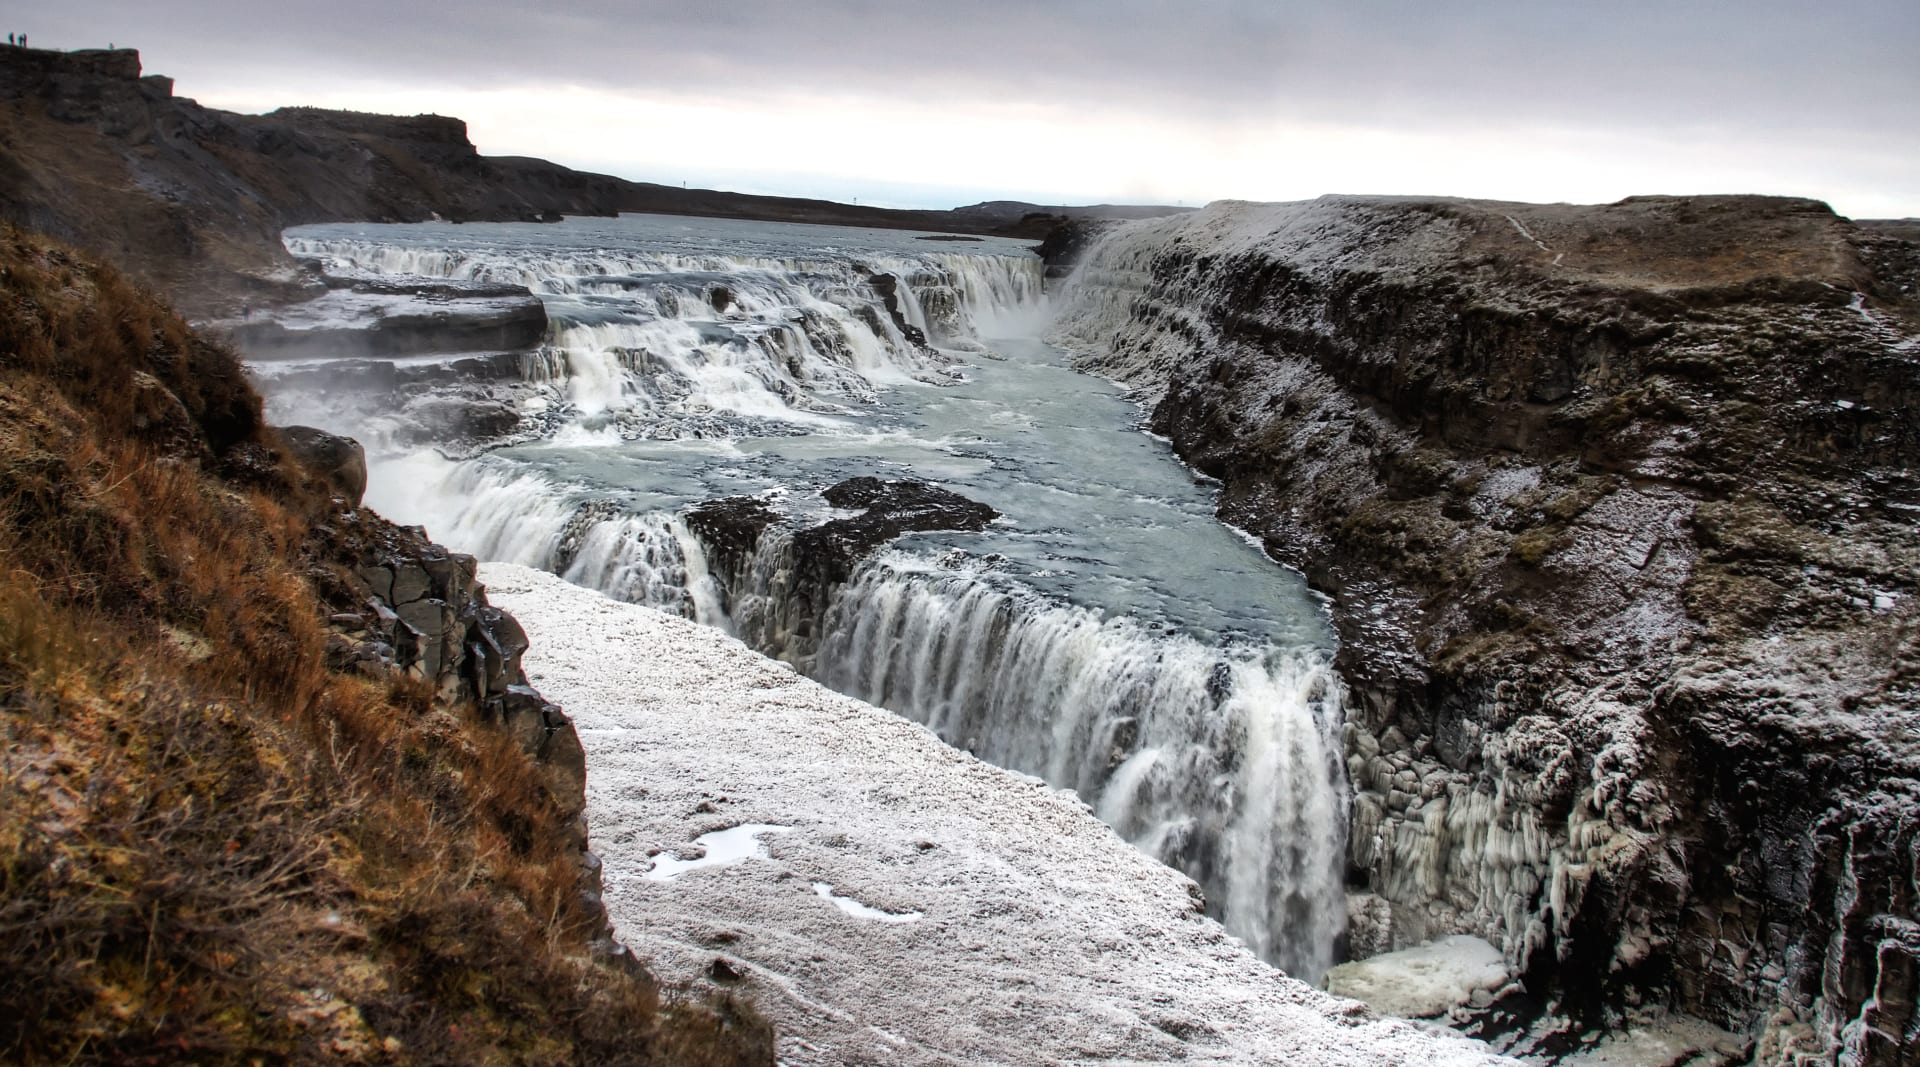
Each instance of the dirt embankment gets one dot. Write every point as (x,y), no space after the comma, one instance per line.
(274,787)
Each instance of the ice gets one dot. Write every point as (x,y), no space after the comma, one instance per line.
(1042,937)
(721,847)
(1425,981)
(1666,1039)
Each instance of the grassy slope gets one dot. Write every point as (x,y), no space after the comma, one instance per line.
(213,847)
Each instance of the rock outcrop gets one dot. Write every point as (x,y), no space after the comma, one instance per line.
(384,317)
(408,606)
(1617,506)
(340,461)
(778,581)
(886,509)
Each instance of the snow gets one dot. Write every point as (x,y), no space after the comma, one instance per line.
(1528,234)
(1651,1037)
(721,847)
(858,910)
(1041,936)
(1423,981)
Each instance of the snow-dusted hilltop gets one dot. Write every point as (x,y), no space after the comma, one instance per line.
(883,897)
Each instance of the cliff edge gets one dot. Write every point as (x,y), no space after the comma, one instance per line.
(1617,505)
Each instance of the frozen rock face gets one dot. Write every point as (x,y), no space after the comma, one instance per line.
(1617,505)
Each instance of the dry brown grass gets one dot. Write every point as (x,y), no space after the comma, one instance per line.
(216,849)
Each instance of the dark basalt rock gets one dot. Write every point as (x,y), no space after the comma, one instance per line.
(411,607)
(888,287)
(729,529)
(779,582)
(428,323)
(1067,242)
(1616,506)
(889,509)
(339,460)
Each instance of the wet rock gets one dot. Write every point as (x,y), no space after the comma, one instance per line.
(385,320)
(888,509)
(1067,243)
(337,459)
(787,578)
(888,287)
(730,528)
(459,419)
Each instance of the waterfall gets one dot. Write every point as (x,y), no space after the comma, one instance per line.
(505,516)
(648,341)
(1221,762)
(1218,756)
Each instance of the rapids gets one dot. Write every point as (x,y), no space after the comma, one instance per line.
(1106,634)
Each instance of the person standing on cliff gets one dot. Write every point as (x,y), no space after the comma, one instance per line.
(9,38)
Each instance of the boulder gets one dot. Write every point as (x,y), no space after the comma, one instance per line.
(339,460)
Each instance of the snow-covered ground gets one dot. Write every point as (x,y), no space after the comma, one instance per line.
(889,899)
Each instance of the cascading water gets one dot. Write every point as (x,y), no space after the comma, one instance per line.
(1215,760)
(1106,634)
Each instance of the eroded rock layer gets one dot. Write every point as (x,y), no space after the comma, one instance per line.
(1617,504)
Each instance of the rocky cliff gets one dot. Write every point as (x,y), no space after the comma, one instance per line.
(1617,507)
(192,200)
(274,786)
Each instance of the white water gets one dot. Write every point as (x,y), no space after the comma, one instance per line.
(1216,760)
(1106,634)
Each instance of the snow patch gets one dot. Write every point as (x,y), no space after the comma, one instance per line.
(1528,234)
(1674,1039)
(862,911)
(721,847)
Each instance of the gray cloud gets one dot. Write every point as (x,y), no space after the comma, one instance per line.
(1761,62)
(1806,76)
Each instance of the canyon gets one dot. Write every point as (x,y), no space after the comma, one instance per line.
(1600,644)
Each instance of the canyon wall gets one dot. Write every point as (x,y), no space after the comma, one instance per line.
(1616,506)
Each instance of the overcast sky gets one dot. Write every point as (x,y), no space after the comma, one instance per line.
(918,103)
